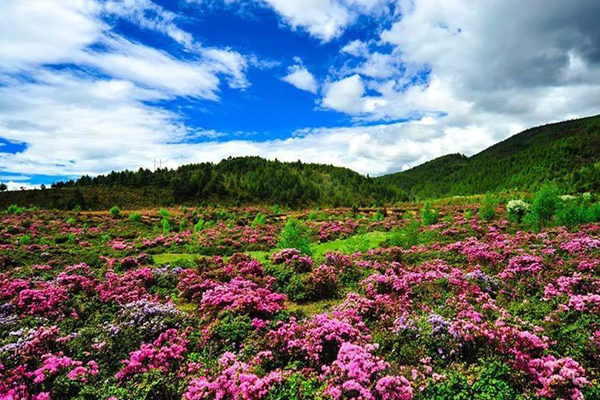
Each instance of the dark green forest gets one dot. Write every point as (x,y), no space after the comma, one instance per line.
(566,155)
(233,181)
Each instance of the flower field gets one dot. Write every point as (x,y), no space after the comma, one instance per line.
(448,302)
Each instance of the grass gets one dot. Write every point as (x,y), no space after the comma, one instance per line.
(310,309)
(349,245)
(369,240)
(166,258)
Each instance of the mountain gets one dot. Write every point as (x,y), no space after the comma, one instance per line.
(233,181)
(566,154)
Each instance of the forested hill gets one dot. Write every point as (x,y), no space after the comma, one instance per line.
(566,154)
(233,181)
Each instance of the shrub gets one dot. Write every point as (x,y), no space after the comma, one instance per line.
(26,239)
(487,208)
(493,382)
(545,205)
(516,210)
(406,237)
(428,215)
(571,214)
(322,283)
(199,225)
(115,211)
(295,235)
(183,224)
(166,225)
(260,219)
(135,217)
(14,209)
(574,212)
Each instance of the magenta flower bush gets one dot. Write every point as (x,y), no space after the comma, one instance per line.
(236,380)
(474,309)
(241,296)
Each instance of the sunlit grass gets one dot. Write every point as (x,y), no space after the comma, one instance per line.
(369,240)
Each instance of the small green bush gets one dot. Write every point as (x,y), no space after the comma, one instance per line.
(26,239)
(200,225)
(429,216)
(260,219)
(166,225)
(298,387)
(378,216)
(135,217)
(295,235)
(571,214)
(115,211)
(487,207)
(406,237)
(492,383)
(14,209)
(183,224)
(544,207)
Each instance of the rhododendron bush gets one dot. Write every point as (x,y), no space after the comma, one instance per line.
(206,306)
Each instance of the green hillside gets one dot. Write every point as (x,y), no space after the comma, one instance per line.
(233,181)
(566,154)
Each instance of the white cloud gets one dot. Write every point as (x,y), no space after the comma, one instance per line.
(149,15)
(345,95)
(348,96)
(12,185)
(301,78)
(40,32)
(356,48)
(322,19)
(35,32)
(99,113)
(493,69)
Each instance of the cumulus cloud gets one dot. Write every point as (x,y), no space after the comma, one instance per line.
(322,19)
(356,48)
(459,74)
(100,113)
(301,78)
(500,66)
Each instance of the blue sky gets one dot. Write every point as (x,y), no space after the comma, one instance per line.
(90,86)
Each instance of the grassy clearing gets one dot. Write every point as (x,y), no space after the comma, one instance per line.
(166,258)
(310,309)
(349,245)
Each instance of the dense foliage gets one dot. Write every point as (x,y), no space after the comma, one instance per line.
(233,181)
(567,154)
(564,154)
(427,303)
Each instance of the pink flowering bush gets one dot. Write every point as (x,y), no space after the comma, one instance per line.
(48,300)
(165,354)
(236,381)
(242,296)
(468,309)
(558,378)
(358,374)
